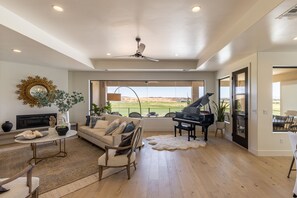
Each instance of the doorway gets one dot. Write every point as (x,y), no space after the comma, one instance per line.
(240,107)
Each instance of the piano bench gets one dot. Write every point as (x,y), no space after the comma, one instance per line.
(190,128)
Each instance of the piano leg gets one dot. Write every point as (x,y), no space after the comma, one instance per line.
(194,131)
(205,129)
(174,131)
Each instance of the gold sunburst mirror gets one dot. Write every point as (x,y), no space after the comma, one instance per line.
(27,88)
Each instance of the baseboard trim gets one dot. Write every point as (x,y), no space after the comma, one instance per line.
(273,152)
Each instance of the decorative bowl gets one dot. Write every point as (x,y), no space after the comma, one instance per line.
(62,130)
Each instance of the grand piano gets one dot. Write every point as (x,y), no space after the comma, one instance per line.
(192,116)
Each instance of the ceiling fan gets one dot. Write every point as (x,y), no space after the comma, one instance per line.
(139,51)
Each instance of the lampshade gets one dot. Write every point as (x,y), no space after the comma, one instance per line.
(113,96)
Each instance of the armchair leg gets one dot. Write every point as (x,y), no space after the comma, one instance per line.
(128,171)
(100,172)
(35,193)
(134,164)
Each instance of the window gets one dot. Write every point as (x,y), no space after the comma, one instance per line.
(224,94)
(276,98)
(284,106)
(156,97)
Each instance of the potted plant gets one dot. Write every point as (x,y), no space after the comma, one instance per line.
(96,110)
(220,110)
(63,100)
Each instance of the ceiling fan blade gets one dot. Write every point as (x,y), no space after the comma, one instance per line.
(150,59)
(141,48)
(124,56)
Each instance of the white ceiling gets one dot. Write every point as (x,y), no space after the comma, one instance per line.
(80,37)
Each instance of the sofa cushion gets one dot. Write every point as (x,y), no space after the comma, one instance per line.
(101,124)
(112,126)
(130,127)
(125,142)
(93,120)
(107,139)
(87,120)
(98,134)
(91,131)
(120,129)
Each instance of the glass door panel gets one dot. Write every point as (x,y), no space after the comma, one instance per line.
(240,107)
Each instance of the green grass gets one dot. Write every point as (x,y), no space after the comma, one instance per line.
(159,107)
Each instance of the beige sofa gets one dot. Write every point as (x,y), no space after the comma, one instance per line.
(98,137)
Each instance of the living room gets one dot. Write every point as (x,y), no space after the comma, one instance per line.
(257,43)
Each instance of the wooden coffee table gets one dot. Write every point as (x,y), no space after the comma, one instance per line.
(51,137)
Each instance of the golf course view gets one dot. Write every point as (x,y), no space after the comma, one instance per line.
(160,105)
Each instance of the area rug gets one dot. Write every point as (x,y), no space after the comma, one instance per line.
(81,161)
(169,142)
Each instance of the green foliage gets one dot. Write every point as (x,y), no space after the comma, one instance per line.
(96,110)
(220,110)
(63,100)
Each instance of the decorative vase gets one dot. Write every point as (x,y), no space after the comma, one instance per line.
(62,130)
(62,118)
(7,126)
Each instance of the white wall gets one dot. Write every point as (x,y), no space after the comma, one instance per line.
(271,143)
(251,63)
(288,100)
(79,81)
(158,124)
(11,74)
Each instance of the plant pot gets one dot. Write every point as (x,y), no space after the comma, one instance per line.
(7,126)
(62,130)
(220,125)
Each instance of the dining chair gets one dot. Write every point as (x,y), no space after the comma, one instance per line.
(293,142)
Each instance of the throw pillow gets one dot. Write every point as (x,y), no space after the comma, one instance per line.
(101,124)
(130,127)
(125,142)
(87,120)
(112,126)
(120,129)
(3,190)
(93,120)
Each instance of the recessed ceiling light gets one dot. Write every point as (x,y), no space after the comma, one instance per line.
(196,9)
(16,50)
(108,54)
(295,39)
(176,54)
(58,8)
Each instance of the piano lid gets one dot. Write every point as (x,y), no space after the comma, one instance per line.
(201,101)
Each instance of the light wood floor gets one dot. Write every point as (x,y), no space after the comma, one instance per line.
(221,169)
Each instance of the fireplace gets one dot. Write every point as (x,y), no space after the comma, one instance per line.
(33,120)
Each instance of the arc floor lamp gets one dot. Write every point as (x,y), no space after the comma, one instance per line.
(117,96)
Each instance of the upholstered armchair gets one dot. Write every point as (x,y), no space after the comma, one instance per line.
(111,159)
(19,186)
